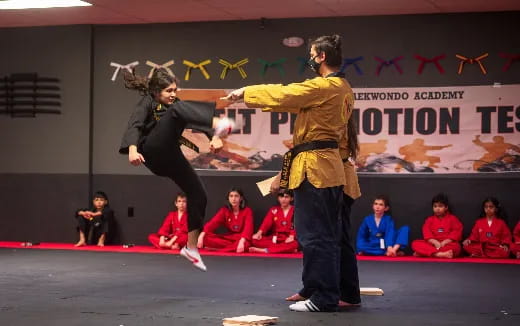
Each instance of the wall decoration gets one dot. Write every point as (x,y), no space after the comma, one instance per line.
(434,60)
(230,66)
(464,60)
(275,64)
(386,63)
(293,41)
(510,59)
(165,65)
(129,67)
(26,94)
(351,61)
(199,66)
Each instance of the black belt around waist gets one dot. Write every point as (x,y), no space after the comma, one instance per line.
(290,155)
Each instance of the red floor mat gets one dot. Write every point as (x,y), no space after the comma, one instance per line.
(152,250)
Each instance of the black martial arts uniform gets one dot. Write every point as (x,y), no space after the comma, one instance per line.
(98,225)
(156,129)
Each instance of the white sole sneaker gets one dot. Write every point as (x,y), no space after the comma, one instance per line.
(304,306)
(193,257)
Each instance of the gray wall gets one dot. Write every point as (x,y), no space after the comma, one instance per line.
(48,143)
(44,170)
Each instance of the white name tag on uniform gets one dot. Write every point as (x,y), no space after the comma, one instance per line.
(274,239)
(382,243)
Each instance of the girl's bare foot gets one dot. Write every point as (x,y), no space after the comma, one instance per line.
(175,246)
(295,297)
(444,254)
(80,244)
(260,250)
(518,255)
(100,244)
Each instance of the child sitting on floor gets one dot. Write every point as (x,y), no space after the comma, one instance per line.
(94,220)
(276,234)
(442,232)
(377,235)
(490,236)
(173,233)
(237,218)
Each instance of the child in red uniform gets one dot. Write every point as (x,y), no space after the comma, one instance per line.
(276,234)
(490,236)
(237,218)
(515,246)
(442,232)
(173,233)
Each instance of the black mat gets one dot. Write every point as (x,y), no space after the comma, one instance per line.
(64,288)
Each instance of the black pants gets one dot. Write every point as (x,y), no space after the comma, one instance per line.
(349,278)
(98,226)
(163,156)
(348,275)
(317,225)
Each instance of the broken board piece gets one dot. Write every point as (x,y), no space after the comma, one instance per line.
(265,186)
(371,291)
(249,320)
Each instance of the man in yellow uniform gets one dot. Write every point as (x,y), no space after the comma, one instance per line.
(316,172)
(349,278)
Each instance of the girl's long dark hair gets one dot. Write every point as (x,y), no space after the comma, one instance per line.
(160,79)
(352,138)
(243,202)
(500,212)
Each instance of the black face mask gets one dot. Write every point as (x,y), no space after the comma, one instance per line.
(315,66)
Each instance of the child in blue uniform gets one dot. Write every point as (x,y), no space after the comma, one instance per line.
(377,234)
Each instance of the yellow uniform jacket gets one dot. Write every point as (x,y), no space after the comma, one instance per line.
(321,104)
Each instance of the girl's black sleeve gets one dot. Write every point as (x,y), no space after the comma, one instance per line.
(136,124)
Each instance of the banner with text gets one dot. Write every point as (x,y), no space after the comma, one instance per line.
(456,129)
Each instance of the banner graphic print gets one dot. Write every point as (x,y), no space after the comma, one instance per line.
(460,129)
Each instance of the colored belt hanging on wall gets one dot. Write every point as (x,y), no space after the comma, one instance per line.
(471,61)
(434,60)
(351,61)
(118,67)
(154,66)
(510,59)
(386,63)
(230,66)
(199,66)
(276,64)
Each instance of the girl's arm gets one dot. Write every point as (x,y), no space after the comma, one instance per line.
(136,124)
(505,234)
(247,232)
(474,235)
(216,221)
